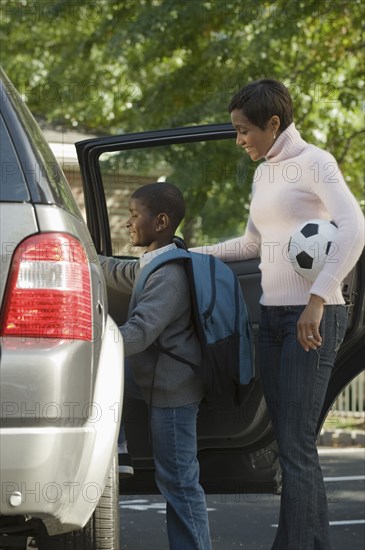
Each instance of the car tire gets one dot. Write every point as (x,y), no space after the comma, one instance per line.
(102,530)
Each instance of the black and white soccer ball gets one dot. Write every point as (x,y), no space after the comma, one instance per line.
(311,246)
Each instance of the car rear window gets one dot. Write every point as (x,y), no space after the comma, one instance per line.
(13,187)
(43,175)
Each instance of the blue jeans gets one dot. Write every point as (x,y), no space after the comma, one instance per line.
(295,383)
(174,444)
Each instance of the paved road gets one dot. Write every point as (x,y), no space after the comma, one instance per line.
(247,522)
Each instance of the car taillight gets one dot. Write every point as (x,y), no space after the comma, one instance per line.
(48,292)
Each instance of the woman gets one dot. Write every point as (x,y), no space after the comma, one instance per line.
(303,323)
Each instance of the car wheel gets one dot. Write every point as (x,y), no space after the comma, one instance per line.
(102,530)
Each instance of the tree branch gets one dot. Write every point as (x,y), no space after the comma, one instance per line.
(347,146)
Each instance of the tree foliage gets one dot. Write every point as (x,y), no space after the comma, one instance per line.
(115,66)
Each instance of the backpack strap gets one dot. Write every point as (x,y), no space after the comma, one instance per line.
(155,263)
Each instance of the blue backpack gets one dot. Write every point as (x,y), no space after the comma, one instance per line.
(221,322)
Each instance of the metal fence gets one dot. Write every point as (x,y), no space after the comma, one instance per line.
(352,398)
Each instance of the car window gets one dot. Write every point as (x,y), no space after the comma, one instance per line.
(213,175)
(46,183)
(13,187)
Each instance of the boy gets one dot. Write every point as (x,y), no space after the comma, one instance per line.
(163,314)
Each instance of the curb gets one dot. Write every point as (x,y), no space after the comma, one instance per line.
(342,438)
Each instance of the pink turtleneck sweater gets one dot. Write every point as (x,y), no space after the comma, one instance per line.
(297,182)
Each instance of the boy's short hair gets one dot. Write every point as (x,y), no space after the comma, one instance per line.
(162,197)
(262,99)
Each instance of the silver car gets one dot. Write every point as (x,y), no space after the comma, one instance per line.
(61,374)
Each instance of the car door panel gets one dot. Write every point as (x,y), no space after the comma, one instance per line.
(237,441)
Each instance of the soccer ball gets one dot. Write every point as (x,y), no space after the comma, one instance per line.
(310,246)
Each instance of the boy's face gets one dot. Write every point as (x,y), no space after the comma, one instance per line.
(142,225)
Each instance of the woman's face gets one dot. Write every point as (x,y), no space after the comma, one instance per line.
(255,141)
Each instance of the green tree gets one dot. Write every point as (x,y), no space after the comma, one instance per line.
(122,65)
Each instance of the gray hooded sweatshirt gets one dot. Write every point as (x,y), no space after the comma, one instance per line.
(162,314)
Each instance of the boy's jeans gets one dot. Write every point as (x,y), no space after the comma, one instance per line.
(177,476)
(295,384)
(174,441)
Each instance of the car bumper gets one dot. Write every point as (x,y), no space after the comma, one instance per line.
(57,470)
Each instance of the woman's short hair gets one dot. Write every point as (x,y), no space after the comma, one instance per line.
(162,197)
(262,99)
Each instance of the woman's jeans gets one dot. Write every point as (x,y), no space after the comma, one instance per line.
(295,384)
(174,443)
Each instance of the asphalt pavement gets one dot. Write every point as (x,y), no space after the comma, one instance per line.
(248,521)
